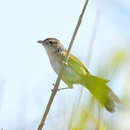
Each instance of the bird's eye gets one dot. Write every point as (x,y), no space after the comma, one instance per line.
(50,42)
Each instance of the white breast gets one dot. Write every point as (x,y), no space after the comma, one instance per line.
(56,65)
(54,61)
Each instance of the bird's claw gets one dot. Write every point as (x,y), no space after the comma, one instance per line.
(52,90)
(65,63)
(60,89)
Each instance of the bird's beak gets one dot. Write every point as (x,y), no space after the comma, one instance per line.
(41,42)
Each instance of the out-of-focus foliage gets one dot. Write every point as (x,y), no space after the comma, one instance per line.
(84,119)
(112,62)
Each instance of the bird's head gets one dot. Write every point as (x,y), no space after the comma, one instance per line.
(52,44)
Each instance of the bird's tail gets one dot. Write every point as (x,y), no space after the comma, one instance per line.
(99,89)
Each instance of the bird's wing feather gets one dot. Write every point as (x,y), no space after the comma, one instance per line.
(76,65)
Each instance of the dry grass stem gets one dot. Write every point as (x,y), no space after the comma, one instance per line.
(62,69)
(92,41)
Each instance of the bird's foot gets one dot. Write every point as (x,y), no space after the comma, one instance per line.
(60,89)
(52,90)
(65,63)
(69,87)
(53,84)
(64,88)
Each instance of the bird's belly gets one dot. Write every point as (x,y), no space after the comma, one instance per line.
(56,66)
(70,75)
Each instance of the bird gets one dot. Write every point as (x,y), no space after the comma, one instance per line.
(76,72)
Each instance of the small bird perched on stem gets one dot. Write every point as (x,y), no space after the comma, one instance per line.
(75,72)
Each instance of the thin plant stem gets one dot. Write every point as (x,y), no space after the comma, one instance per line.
(89,60)
(92,41)
(62,69)
(91,47)
(99,117)
(93,38)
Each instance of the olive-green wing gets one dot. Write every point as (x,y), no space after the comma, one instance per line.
(76,65)
(80,68)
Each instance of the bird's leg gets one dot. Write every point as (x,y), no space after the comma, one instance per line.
(65,63)
(69,87)
(64,88)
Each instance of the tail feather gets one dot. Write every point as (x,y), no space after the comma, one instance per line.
(99,89)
